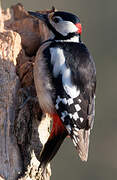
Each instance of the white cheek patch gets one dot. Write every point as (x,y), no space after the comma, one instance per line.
(65,27)
(59,67)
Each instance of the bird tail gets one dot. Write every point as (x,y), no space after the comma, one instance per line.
(80,139)
(54,142)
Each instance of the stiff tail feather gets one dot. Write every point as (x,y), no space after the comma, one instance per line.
(80,139)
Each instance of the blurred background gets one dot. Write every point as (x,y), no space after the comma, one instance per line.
(99,21)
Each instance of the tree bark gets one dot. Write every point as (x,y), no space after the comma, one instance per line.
(24,129)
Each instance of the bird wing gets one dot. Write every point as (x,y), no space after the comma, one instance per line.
(75,83)
(77,116)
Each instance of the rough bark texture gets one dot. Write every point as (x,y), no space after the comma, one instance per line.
(23,127)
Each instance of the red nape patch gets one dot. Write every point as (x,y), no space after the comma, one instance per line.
(79,26)
(57,124)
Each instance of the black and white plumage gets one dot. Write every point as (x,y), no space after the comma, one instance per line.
(65,79)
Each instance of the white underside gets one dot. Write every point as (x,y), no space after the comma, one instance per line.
(59,67)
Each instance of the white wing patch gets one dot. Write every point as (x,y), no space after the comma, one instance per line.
(59,67)
(57,60)
(77,106)
(74,114)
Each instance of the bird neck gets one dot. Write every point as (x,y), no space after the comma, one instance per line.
(70,39)
(76,38)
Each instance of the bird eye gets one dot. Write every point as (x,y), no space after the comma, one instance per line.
(56,19)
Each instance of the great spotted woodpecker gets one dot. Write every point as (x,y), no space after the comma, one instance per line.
(65,80)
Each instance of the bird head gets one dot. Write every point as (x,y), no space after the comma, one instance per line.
(63,25)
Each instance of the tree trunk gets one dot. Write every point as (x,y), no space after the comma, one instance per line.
(23,127)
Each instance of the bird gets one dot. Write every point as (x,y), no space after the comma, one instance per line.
(65,80)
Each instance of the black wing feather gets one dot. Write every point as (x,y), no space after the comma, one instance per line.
(83,76)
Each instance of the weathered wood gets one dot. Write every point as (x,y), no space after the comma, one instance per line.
(23,127)
(10,158)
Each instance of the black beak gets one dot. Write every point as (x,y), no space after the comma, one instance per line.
(43,17)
